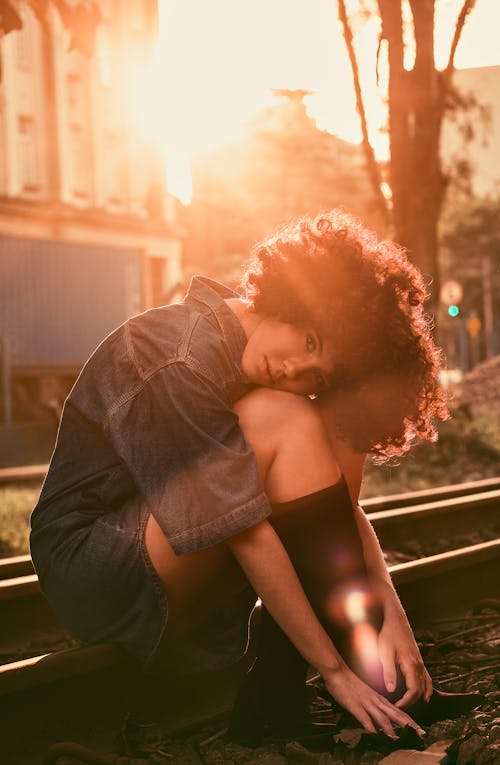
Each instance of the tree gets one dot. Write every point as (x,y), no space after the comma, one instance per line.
(417,102)
(282,168)
(471,255)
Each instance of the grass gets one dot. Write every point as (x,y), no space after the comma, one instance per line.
(16,503)
(467,450)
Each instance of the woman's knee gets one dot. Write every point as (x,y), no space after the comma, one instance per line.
(271,418)
(290,442)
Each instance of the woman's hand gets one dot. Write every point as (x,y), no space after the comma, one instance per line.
(397,647)
(373,711)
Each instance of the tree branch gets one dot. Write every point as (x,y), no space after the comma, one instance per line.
(372,164)
(467,7)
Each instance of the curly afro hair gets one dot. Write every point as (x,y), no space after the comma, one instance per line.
(331,273)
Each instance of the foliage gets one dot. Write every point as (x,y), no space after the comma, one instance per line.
(470,232)
(467,450)
(282,168)
(479,388)
(470,254)
(418,97)
(471,120)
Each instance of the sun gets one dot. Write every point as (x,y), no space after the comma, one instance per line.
(186,99)
(215,64)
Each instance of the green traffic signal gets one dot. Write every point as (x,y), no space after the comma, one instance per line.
(453,310)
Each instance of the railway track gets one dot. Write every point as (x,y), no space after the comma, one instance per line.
(86,689)
(82,694)
(23,473)
(436,524)
(430,508)
(28,473)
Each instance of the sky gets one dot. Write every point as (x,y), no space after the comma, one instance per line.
(216,62)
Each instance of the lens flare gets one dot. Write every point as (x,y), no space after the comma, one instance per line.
(350,605)
(365,652)
(355,606)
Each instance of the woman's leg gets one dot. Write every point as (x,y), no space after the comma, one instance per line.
(295,460)
(312,509)
(293,456)
(314,516)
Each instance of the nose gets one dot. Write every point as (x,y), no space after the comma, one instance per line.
(293,367)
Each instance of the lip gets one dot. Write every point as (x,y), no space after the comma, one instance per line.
(268,370)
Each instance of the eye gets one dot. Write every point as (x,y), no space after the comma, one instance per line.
(311,343)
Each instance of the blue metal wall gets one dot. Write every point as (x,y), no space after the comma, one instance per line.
(58,300)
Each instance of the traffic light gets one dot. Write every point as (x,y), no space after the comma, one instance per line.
(453,310)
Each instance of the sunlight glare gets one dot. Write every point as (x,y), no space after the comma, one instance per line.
(355,606)
(215,63)
(366,660)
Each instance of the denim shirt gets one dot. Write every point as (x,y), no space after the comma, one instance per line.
(151,414)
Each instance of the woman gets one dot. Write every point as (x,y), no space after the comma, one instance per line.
(156,503)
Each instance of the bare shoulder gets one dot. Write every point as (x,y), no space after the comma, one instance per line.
(270,416)
(273,403)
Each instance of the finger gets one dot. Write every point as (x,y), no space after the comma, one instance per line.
(408,698)
(387,660)
(428,686)
(383,722)
(415,685)
(364,718)
(403,719)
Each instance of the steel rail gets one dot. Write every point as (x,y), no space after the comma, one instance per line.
(83,693)
(16,565)
(427,509)
(386,502)
(472,564)
(23,473)
(386,514)
(439,521)
(27,617)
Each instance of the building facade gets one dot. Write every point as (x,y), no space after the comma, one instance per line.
(482,147)
(87,226)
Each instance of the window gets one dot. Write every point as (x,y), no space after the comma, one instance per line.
(157,278)
(113,169)
(28,160)
(79,164)
(24,42)
(104,55)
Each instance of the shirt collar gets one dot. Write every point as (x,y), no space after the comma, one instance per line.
(212,294)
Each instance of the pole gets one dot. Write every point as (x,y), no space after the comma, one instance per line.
(6,378)
(462,345)
(487,306)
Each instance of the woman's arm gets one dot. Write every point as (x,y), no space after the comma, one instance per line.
(264,560)
(397,646)
(295,458)
(262,556)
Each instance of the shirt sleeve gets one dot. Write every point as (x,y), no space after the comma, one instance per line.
(187,454)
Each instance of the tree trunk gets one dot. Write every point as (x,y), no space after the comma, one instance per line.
(426,175)
(399,138)
(415,115)
(371,163)
(416,108)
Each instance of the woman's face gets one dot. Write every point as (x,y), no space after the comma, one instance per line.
(286,357)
